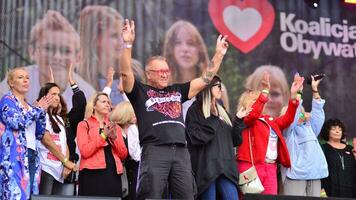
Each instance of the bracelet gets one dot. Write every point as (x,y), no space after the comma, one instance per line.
(265,91)
(206,80)
(103,135)
(127,45)
(65,161)
(315,91)
(74,85)
(299,95)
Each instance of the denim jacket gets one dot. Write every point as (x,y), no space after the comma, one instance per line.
(307,157)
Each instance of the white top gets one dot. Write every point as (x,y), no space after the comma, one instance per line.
(35,86)
(272,146)
(30,134)
(49,162)
(133,142)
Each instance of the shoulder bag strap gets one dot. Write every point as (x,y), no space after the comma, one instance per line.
(250,145)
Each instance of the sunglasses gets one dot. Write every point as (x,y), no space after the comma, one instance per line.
(217,84)
(161,72)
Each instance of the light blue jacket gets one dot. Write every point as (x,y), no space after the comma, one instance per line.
(307,158)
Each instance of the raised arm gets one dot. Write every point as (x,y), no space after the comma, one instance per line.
(317,113)
(198,84)
(286,120)
(128,35)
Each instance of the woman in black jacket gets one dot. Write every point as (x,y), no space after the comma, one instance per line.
(211,137)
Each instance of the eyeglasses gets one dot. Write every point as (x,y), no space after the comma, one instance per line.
(217,84)
(51,50)
(161,71)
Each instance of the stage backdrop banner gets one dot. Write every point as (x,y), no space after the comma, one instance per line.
(288,34)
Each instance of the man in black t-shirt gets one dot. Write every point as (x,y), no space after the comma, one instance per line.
(158,108)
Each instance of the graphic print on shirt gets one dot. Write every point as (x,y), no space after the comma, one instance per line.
(167,103)
(56,140)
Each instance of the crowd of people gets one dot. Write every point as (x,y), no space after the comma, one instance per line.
(88,112)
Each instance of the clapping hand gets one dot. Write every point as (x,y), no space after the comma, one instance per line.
(111,131)
(44,102)
(243,112)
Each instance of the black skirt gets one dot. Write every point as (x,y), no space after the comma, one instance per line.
(101,182)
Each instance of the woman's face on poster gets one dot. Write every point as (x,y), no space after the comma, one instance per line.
(55,49)
(275,100)
(186,52)
(110,45)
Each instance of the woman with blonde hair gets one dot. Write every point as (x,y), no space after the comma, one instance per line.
(20,125)
(211,137)
(101,45)
(124,116)
(101,150)
(264,134)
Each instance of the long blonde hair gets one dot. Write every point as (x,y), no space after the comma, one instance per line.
(93,22)
(89,108)
(246,98)
(204,101)
(122,113)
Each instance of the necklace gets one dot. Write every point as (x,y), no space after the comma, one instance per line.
(341,156)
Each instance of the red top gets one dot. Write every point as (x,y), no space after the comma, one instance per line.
(260,133)
(91,146)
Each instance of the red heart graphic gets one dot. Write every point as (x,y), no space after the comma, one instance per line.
(166,103)
(246,22)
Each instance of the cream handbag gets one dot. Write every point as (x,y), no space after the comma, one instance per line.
(249,182)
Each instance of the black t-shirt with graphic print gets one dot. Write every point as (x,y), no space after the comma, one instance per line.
(159,113)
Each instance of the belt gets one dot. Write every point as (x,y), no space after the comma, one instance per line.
(270,161)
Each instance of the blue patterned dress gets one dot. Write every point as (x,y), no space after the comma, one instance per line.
(14,169)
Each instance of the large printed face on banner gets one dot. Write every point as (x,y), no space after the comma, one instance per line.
(55,49)
(186,52)
(286,34)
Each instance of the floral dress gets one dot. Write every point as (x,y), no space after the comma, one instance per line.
(14,167)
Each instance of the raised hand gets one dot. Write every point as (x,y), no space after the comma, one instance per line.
(296,85)
(51,76)
(221,45)
(128,31)
(110,77)
(265,82)
(243,112)
(314,83)
(70,74)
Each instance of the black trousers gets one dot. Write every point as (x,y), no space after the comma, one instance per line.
(165,165)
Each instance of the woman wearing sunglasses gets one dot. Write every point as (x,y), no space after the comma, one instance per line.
(307,158)
(212,136)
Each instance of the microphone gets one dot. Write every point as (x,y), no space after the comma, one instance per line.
(316,77)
